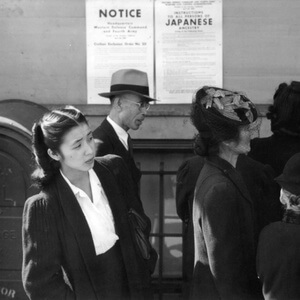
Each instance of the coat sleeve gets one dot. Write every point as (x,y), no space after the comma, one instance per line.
(103,147)
(272,209)
(220,223)
(187,176)
(183,192)
(42,274)
(119,169)
(125,181)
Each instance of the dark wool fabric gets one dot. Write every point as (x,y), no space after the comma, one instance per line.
(275,150)
(109,143)
(224,218)
(278,260)
(59,255)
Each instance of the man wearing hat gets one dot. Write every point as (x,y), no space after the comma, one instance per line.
(278,258)
(129,97)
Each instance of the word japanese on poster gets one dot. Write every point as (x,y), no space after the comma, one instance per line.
(178,43)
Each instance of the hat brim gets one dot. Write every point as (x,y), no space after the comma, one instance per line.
(291,187)
(110,94)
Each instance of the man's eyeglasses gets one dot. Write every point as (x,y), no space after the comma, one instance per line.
(144,105)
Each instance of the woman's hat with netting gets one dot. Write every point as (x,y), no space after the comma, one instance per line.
(229,106)
(217,114)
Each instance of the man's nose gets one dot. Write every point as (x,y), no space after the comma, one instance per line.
(144,110)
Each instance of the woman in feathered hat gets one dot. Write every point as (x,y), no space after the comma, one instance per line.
(223,212)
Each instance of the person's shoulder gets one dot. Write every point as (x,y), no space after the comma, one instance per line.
(101,130)
(249,162)
(104,138)
(262,142)
(215,192)
(195,159)
(114,163)
(273,231)
(109,159)
(195,162)
(212,168)
(213,178)
(41,199)
(252,166)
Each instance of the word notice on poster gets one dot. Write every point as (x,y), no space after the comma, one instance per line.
(178,43)
(188,48)
(119,36)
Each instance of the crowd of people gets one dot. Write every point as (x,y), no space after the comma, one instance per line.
(239,198)
(86,233)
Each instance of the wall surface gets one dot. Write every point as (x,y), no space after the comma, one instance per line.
(260,44)
(43,52)
(43,56)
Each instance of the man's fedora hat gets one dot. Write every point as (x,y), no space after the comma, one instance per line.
(290,177)
(129,81)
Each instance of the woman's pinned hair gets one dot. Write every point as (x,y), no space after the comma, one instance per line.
(218,114)
(48,133)
(285,111)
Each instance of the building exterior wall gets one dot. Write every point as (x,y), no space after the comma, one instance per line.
(43,56)
(43,60)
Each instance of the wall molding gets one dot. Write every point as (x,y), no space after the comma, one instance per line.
(156,110)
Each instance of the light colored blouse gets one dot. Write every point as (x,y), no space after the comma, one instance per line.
(97,213)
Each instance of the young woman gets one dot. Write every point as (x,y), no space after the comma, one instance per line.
(77,242)
(223,211)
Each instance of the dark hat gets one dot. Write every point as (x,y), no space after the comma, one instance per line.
(129,81)
(227,106)
(290,177)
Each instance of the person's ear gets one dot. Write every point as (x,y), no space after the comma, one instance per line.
(117,103)
(53,155)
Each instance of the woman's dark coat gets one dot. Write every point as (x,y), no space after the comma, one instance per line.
(58,246)
(278,259)
(223,217)
(257,177)
(275,150)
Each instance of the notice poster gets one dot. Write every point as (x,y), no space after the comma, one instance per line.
(119,36)
(188,48)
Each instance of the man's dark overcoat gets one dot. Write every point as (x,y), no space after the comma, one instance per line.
(108,142)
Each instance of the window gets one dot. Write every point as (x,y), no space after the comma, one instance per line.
(159,162)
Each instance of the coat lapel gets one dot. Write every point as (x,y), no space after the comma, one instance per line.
(77,220)
(119,147)
(120,150)
(230,172)
(119,208)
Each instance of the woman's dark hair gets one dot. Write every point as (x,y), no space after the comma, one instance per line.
(213,127)
(48,133)
(285,111)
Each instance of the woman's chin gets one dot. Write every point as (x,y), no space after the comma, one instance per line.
(243,149)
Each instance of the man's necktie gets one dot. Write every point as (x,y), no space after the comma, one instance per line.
(129,142)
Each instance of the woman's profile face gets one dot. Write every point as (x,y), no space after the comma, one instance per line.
(77,150)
